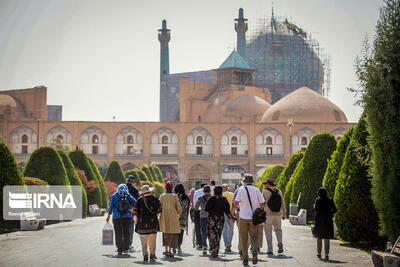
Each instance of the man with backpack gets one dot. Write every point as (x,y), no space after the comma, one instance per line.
(276,212)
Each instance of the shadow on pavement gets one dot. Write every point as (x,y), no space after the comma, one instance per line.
(221,259)
(171,259)
(279,256)
(337,262)
(126,256)
(182,254)
(148,262)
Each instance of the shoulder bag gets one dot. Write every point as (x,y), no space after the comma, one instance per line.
(259,215)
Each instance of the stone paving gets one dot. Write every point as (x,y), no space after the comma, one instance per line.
(78,243)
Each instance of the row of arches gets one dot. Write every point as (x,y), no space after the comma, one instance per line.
(164,141)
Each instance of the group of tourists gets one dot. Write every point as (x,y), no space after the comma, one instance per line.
(214,210)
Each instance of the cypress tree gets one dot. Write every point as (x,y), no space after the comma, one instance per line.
(142,176)
(379,76)
(309,178)
(147,171)
(284,176)
(81,162)
(74,179)
(356,219)
(289,186)
(46,164)
(114,173)
(103,191)
(335,164)
(158,173)
(271,172)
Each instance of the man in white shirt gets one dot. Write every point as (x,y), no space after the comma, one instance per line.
(196,215)
(246,225)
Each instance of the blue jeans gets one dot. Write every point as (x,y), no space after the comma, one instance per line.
(203,227)
(131,226)
(227,232)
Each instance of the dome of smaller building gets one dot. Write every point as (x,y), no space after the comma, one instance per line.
(6,102)
(304,105)
(247,105)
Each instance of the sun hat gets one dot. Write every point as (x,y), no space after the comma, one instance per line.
(248,178)
(146,189)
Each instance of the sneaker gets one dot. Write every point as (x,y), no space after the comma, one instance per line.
(228,249)
(245,261)
(270,253)
(280,247)
(179,250)
(254,259)
(153,257)
(214,255)
(240,253)
(326,257)
(319,256)
(119,253)
(204,252)
(145,257)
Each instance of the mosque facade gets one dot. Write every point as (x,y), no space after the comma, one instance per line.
(214,124)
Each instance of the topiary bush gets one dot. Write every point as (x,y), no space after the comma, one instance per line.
(356,218)
(114,173)
(135,176)
(159,189)
(309,178)
(289,186)
(46,164)
(158,173)
(335,164)
(271,172)
(90,186)
(74,179)
(34,181)
(81,162)
(287,172)
(104,197)
(142,176)
(147,171)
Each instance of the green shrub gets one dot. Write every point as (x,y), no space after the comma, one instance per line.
(142,176)
(356,219)
(335,164)
(147,171)
(289,186)
(284,176)
(104,196)
(271,172)
(309,178)
(9,175)
(46,164)
(81,162)
(74,179)
(157,173)
(135,175)
(114,173)
(159,189)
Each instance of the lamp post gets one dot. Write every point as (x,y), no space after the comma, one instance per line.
(290,124)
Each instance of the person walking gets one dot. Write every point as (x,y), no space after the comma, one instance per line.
(276,211)
(249,198)
(131,184)
(323,229)
(196,215)
(169,219)
(217,207)
(120,207)
(146,211)
(227,231)
(200,206)
(184,200)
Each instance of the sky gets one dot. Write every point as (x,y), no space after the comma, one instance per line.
(99,59)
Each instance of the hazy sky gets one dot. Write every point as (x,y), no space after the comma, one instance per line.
(100,58)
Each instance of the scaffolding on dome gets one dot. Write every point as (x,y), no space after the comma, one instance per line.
(286,58)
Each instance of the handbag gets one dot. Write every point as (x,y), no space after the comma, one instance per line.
(259,215)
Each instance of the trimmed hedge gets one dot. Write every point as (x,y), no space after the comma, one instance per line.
(158,173)
(104,197)
(74,179)
(309,178)
(335,164)
(142,176)
(81,162)
(271,172)
(159,189)
(135,176)
(34,181)
(114,173)
(46,164)
(289,186)
(356,219)
(287,172)
(149,174)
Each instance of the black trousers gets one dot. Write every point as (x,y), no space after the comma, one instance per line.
(121,229)
(196,217)
(180,238)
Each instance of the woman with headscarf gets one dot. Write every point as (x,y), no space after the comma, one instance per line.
(169,219)
(216,206)
(121,204)
(184,200)
(146,210)
(323,228)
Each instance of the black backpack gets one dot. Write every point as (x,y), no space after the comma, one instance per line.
(275,200)
(123,203)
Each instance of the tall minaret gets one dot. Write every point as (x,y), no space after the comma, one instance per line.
(164,37)
(241,29)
